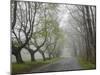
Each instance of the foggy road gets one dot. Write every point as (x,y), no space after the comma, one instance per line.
(65,64)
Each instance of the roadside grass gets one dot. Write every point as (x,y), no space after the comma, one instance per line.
(28,66)
(86,64)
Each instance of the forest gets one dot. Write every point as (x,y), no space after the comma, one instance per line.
(52,32)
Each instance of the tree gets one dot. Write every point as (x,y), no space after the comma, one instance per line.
(22,26)
(46,25)
(84,23)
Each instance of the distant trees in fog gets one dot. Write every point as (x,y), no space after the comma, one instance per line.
(83,20)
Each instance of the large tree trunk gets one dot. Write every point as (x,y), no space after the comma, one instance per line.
(16,52)
(19,58)
(31,53)
(50,56)
(32,56)
(43,55)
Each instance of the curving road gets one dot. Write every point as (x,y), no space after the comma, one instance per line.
(65,64)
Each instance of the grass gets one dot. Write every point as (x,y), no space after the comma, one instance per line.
(28,66)
(86,64)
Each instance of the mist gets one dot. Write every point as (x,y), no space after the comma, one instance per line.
(50,32)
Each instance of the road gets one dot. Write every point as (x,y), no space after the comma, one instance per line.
(65,64)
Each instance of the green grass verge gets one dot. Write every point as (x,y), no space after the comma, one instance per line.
(28,66)
(86,65)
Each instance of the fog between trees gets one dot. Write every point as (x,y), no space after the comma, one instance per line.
(49,30)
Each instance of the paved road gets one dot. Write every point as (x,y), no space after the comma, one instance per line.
(65,64)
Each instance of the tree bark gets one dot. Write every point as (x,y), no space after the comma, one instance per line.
(50,56)
(16,52)
(31,53)
(43,55)
(32,57)
(19,58)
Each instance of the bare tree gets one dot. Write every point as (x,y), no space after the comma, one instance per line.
(22,26)
(84,19)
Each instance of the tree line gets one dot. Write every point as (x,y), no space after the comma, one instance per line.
(35,27)
(83,20)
